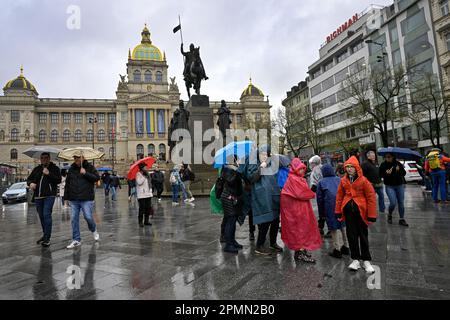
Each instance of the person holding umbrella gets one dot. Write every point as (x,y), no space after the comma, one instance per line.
(393,174)
(44,180)
(144,195)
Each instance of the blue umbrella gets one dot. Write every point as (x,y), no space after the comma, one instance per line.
(240,148)
(104,169)
(400,153)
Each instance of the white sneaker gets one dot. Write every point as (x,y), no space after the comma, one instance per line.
(186,200)
(175,204)
(159,199)
(74,244)
(355,265)
(368,267)
(96,235)
(191,199)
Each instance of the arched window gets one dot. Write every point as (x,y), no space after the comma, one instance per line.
(139,150)
(77,135)
(137,76)
(148,76)
(90,135)
(66,135)
(2,135)
(13,154)
(42,135)
(101,150)
(54,136)
(27,135)
(158,76)
(151,149)
(15,135)
(162,151)
(101,135)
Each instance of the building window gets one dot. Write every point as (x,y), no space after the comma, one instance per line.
(90,135)
(100,117)
(328,83)
(148,76)
(239,118)
(14,135)
(101,135)
(66,135)
(162,151)
(413,22)
(78,117)
(54,136)
(13,154)
(89,117)
(447,40)
(417,46)
(258,116)
(15,116)
(396,57)
(66,118)
(2,135)
(54,117)
(358,46)
(340,76)
(151,149)
(350,132)
(123,115)
(444,7)
(42,136)
(112,117)
(124,133)
(407,133)
(77,135)
(42,118)
(159,76)
(137,76)
(139,151)
(342,56)
(316,90)
(102,150)
(328,66)
(27,135)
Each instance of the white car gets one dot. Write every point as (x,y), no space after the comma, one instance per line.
(16,193)
(412,171)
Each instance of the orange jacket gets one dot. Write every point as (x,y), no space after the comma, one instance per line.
(442,159)
(360,191)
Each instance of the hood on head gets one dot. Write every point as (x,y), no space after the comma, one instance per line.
(328,171)
(355,163)
(314,161)
(296,166)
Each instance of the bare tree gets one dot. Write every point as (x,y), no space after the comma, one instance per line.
(313,131)
(291,126)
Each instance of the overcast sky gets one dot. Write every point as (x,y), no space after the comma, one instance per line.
(274,41)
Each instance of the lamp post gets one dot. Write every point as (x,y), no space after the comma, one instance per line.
(93,121)
(381,59)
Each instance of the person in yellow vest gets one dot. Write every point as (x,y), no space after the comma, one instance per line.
(435,166)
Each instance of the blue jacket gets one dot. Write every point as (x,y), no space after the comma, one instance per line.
(326,197)
(265,194)
(282,176)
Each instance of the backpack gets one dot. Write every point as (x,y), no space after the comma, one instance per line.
(191,176)
(433,160)
(173,179)
(220,182)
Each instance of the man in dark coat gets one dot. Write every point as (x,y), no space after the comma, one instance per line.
(371,171)
(114,184)
(158,182)
(44,180)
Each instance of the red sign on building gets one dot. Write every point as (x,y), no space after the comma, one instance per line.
(342,28)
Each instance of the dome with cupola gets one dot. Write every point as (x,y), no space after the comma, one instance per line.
(20,83)
(252,90)
(146,50)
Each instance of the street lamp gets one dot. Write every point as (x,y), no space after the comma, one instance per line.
(93,121)
(381,59)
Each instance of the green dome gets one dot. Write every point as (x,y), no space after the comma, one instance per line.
(146,50)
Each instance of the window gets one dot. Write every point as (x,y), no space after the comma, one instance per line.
(77,135)
(316,73)
(151,149)
(27,135)
(159,76)
(2,135)
(328,66)
(15,116)
(357,66)
(258,116)
(42,136)
(396,57)
(148,76)
(393,32)
(329,101)
(447,40)
(444,7)
(342,57)
(54,117)
(239,118)
(78,117)
(13,154)
(42,118)
(100,117)
(162,151)
(358,46)
(112,117)
(102,150)
(340,76)
(418,71)
(124,133)
(316,90)
(407,133)
(14,135)
(101,135)
(350,132)
(66,135)
(90,135)
(89,117)
(123,116)
(137,76)
(413,22)
(66,118)
(139,150)
(54,136)
(328,83)
(417,46)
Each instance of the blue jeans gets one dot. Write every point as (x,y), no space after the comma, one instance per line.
(380,193)
(183,190)
(396,194)
(175,189)
(439,182)
(113,193)
(88,211)
(44,208)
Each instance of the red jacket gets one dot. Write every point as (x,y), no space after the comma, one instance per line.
(360,191)
(442,159)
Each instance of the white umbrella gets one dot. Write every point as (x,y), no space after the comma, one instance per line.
(36,152)
(86,152)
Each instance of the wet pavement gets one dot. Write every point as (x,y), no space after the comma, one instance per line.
(180,257)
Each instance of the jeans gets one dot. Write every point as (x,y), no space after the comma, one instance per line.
(380,193)
(106,187)
(439,182)
(44,208)
(88,211)
(175,190)
(396,194)
(183,190)
(230,230)
(113,193)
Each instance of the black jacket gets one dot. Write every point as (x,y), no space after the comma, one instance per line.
(115,182)
(157,177)
(233,191)
(78,186)
(46,185)
(371,171)
(395,178)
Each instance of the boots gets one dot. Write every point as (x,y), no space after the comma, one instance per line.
(140,218)
(146,222)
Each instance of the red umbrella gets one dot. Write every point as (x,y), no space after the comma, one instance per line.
(149,161)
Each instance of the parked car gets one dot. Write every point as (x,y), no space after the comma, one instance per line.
(16,193)
(412,171)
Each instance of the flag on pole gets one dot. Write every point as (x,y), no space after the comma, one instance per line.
(177,28)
